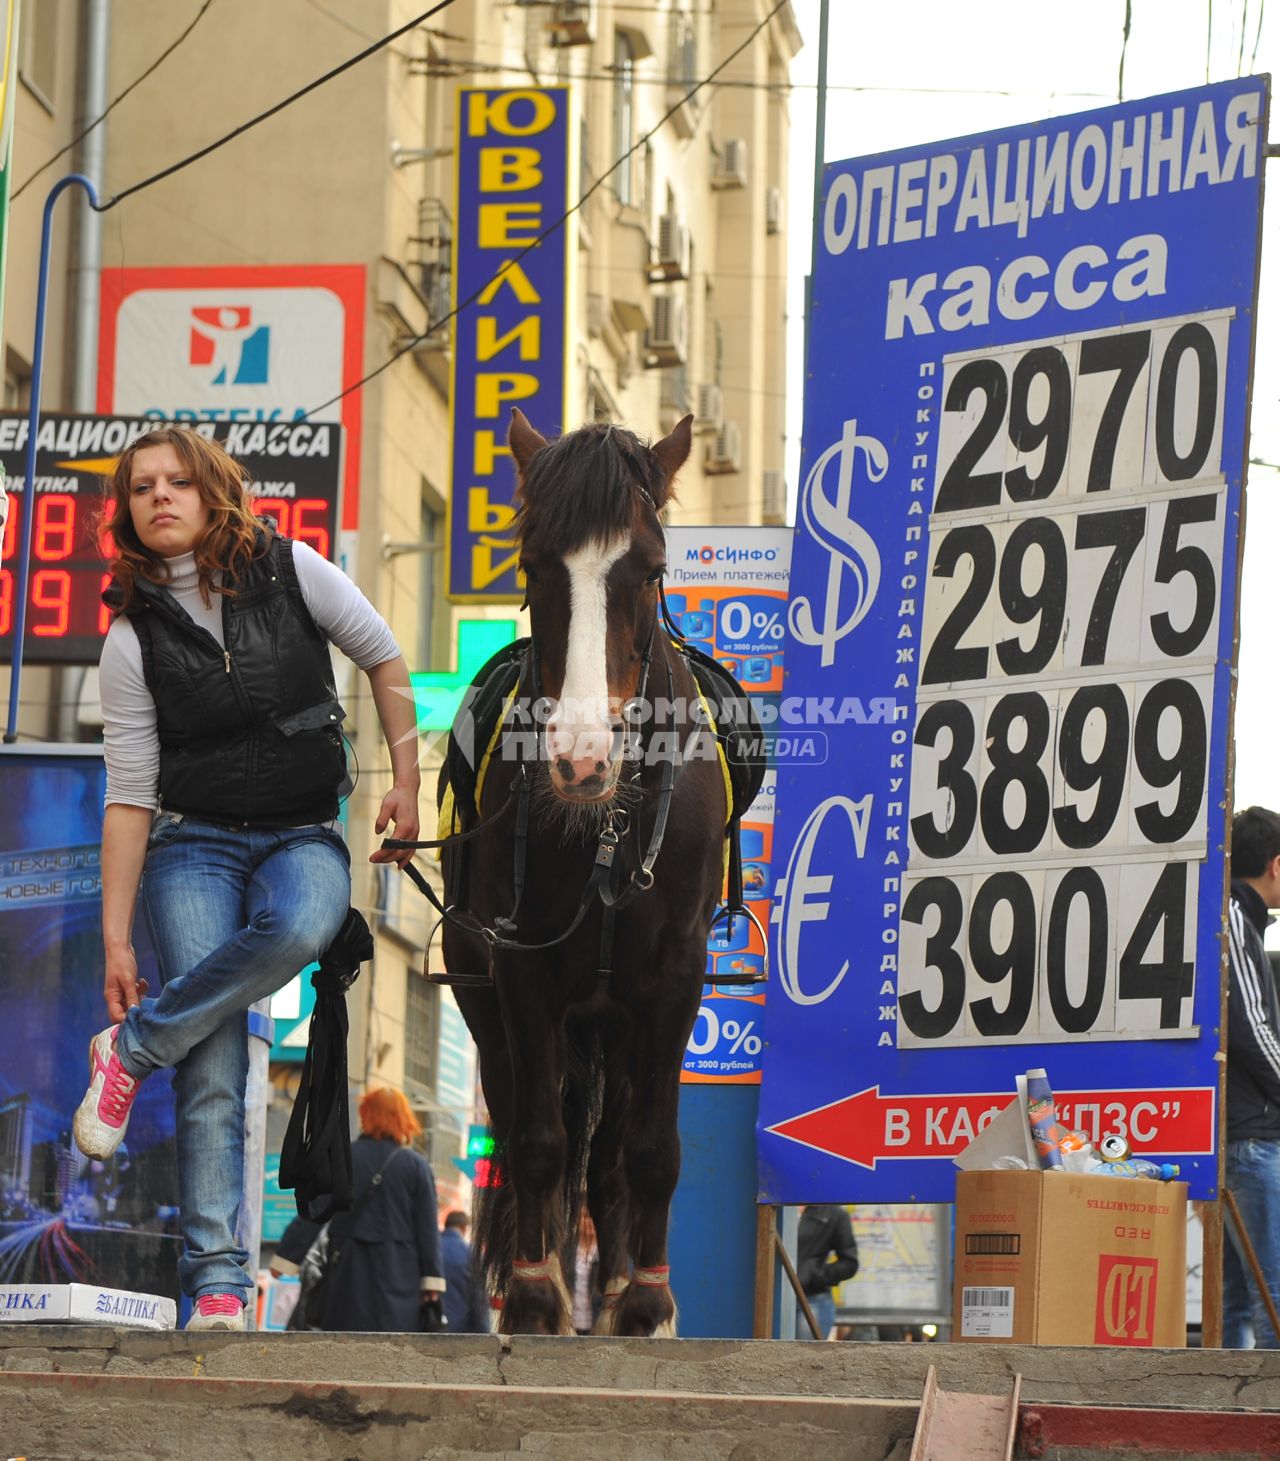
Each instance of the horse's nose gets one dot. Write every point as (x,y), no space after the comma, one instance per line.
(583,760)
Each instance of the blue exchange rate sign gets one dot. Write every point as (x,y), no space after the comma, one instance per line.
(1025,433)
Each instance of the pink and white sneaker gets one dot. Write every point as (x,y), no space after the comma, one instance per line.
(217,1311)
(103,1116)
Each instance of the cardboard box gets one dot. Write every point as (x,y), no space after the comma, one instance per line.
(84,1303)
(1050,1258)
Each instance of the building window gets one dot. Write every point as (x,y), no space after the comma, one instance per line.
(17,382)
(39,44)
(624,66)
(421,1030)
(684,52)
(432,615)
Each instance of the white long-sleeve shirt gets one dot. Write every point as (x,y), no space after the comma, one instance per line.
(130,741)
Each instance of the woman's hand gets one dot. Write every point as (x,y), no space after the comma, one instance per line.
(399,808)
(122,989)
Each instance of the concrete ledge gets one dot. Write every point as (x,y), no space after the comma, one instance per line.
(52,1417)
(1192,1379)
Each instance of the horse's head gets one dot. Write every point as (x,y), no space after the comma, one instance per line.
(593,554)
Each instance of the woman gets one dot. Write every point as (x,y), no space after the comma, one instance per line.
(390,1264)
(224,768)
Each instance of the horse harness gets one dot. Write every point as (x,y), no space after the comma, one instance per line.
(601,881)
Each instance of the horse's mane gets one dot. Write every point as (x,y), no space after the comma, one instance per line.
(586,487)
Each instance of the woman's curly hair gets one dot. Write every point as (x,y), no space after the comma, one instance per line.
(227,543)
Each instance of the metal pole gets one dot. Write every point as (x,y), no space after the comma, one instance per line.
(819,143)
(33,424)
(820,132)
(88,266)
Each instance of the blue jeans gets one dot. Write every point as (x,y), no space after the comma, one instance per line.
(1253,1178)
(824,1311)
(233,916)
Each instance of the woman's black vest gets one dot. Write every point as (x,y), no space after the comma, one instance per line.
(250,735)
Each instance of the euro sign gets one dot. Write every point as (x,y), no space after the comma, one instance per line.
(850,548)
(804,895)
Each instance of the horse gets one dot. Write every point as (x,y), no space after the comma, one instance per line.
(580,1005)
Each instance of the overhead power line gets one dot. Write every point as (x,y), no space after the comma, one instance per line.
(558,223)
(102,116)
(288,101)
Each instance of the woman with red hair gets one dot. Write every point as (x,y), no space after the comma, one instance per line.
(390,1263)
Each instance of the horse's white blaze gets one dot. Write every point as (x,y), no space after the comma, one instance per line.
(581,728)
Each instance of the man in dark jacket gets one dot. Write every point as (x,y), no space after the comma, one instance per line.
(465,1304)
(825,1229)
(1253,1079)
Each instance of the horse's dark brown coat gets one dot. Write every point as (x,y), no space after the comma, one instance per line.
(582,1081)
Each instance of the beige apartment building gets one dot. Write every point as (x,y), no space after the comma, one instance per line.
(677,279)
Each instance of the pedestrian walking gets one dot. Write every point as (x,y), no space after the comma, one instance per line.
(389,1275)
(225,764)
(1253,1081)
(825,1230)
(466,1306)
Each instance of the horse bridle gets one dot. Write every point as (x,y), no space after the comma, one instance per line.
(600,881)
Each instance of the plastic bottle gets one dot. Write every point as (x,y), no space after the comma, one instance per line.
(1136,1167)
(1046,1131)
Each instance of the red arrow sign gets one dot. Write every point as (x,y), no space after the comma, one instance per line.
(867,1127)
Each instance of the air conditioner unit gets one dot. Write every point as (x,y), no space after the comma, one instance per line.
(731,166)
(572,23)
(774,508)
(667,340)
(710,410)
(724,454)
(674,249)
(773,211)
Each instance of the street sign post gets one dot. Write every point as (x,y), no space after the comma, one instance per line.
(1020,521)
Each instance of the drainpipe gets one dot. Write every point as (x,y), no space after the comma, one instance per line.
(90,161)
(86,276)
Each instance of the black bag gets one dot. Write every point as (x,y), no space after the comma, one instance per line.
(316,1271)
(315,1157)
(431,1317)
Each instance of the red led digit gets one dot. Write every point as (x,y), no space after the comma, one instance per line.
(55,527)
(51,589)
(6,600)
(275,507)
(9,544)
(104,614)
(308,524)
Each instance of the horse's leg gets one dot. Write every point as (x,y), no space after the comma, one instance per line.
(652,1146)
(493,1235)
(606,1177)
(537,1301)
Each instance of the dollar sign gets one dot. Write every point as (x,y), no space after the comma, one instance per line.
(849,546)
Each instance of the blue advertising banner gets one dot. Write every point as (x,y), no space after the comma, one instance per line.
(727,592)
(63,1217)
(509,347)
(1014,583)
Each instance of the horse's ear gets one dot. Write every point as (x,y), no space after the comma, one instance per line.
(673,451)
(523,439)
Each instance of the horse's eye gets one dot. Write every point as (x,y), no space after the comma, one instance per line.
(530,573)
(657,575)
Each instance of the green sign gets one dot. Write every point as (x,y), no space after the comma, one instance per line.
(438,693)
(479,1158)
